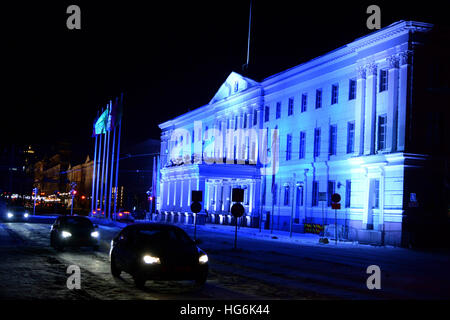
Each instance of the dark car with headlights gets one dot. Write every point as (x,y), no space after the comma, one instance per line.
(74,231)
(15,213)
(152,251)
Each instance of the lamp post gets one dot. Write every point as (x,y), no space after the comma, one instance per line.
(35,190)
(73,192)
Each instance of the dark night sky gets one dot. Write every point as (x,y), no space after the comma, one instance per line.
(165,58)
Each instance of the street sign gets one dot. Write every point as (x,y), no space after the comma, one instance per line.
(335,197)
(197,196)
(322,196)
(335,205)
(196,207)
(237,195)
(237,210)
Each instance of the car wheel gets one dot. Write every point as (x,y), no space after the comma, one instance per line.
(139,281)
(201,279)
(115,271)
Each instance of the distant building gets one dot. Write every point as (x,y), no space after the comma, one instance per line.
(136,169)
(366,120)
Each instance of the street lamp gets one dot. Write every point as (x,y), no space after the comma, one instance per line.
(35,191)
(73,192)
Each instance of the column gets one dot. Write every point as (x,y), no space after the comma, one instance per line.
(360,110)
(381,205)
(405,61)
(391,134)
(370,112)
(182,195)
(239,136)
(367,197)
(223,131)
(216,141)
(231,133)
(189,192)
(246,142)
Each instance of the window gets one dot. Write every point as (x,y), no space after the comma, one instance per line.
(333,140)
(255,117)
(315,194)
(236,86)
(383,80)
(350,137)
(330,190)
(291,106)
(316,142)
(376,198)
(301,151)
(266,113)
(348,193)
(286,195)
(206,133)
(288,146)
(278,110)
(192,136)
(382,124)
(299,200)
(352,89)
(318,98)
(334,93)
(304,102)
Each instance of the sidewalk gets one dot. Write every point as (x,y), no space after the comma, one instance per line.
(276,235)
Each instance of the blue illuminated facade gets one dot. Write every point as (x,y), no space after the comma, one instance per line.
(342,123)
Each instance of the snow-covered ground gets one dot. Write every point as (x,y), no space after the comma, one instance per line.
(265,266)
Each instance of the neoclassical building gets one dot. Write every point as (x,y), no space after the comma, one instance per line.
(347,122)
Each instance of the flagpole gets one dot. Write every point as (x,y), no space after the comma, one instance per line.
(93,175)
(98,172)
(107,163)
(112,169)
(118,154)
(102,207)
(158,163)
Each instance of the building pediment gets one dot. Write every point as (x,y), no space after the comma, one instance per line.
(234,84)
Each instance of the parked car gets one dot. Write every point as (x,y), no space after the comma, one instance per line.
(74,231)
(124,216)
(152,251)
(15,213)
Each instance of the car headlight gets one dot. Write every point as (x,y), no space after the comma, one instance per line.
(25,215)
(10,215)
(151,260)
(66,234)
(95,234)
(203,259)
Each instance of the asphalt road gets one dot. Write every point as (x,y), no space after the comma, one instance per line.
(259,269)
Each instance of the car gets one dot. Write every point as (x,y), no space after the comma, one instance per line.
(139,214)
(154,251)
(74,231)
(124,216)
(15,213)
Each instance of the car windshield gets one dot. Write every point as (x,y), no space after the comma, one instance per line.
(157,235)
(77,222)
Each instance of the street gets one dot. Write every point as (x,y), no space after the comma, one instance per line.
(259,269)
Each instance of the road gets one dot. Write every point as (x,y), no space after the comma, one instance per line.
(259,269)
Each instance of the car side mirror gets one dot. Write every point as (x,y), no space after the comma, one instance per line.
(96,226)
(198,241)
